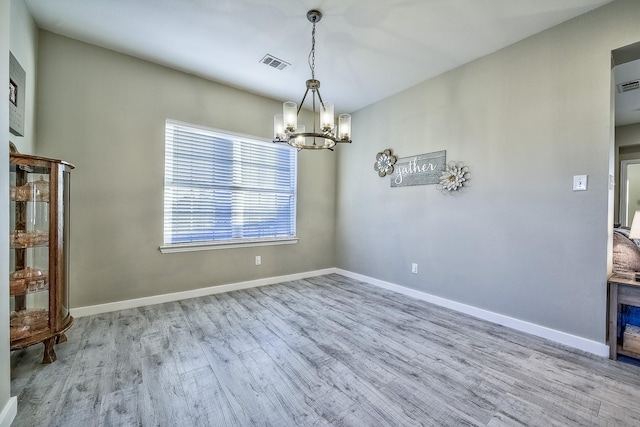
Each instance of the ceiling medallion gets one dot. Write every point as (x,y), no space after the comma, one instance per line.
(323,132)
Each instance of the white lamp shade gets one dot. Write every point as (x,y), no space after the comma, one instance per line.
(344,126)
(327,121)
(278,127)
(290,115)
(635,226)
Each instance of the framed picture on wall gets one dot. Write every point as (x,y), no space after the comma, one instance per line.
(17,78)
(13,92)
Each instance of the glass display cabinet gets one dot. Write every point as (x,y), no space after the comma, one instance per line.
(39,252)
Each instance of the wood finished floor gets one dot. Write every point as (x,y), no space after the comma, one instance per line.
(316,352)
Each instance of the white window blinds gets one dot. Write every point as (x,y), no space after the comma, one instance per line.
(226,188)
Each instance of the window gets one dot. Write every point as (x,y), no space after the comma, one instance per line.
(226,189)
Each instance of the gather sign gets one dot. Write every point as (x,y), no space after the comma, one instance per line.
(421,169)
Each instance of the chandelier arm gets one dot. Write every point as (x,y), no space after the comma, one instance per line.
(302,102)
(313,109)
(320,98)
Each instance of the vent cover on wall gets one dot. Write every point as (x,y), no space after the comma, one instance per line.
(628,86)
(274,62)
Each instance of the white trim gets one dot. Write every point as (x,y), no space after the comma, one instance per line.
(9,412)
(564,338)
(194,293)
(226,244)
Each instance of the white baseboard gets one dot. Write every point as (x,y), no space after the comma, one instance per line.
(177,296)
(9,412)
(500,319)
(564,338)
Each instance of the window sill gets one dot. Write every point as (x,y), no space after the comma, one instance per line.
(225,244)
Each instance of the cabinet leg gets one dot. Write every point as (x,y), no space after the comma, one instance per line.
(61,338)
(49,352)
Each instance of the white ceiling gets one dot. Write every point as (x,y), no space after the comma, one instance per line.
(366,50)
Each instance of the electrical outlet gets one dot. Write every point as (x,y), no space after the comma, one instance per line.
(414,268)
(258,260)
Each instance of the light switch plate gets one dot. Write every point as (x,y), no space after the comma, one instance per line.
(579,182)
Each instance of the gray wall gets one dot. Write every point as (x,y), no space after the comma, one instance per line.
(19,34)
(628,135)
(24,46)
(5,376)
(105,112)
(525,119)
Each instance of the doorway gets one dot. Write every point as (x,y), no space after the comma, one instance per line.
(626,92)
(629,190)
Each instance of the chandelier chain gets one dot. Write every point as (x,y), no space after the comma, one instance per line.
(312,54)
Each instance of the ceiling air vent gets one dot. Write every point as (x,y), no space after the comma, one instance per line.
(274,62)
(628,86)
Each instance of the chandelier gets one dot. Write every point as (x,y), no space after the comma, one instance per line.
(323,133)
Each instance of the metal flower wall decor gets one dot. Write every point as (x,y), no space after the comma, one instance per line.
(454,178)
(384,163)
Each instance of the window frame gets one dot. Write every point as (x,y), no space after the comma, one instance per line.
(223,243)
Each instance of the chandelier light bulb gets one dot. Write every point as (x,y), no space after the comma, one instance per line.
(300,139)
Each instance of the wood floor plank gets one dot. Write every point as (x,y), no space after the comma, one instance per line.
(185,348)
(208,404)
(130,326)
(38,403)
(323,351)
(521,413)
(349,330)
(198,318)
(96,349)
(596,384)
(83,385)
(272,303)
(250,303)
(233,328)
(367,396)
(424,406)
(357,416)
(305,376)
(246,398)
(122,408)
(323,348)
(279,389)
(416,318)
(125,369)
(83,414)
(166,398)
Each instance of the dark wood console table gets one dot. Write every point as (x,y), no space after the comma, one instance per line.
(622,290)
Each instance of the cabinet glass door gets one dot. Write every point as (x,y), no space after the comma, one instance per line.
(29,250)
